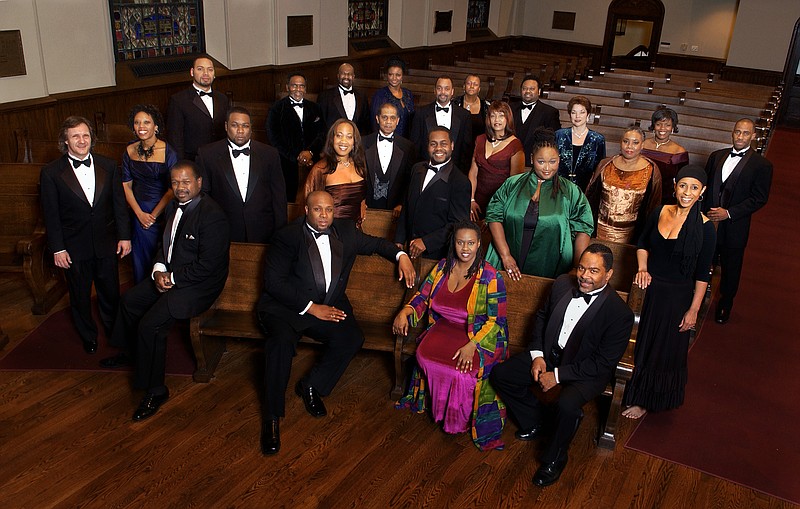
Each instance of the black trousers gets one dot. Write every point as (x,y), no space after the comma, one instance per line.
(80,277)
(512,380)
(342,341)
(731,260)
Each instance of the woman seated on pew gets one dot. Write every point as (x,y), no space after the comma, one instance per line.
(465,337)
(396,95)
(341,172)
(145,180)
(497,156)
(624,190)
(667,154)
(674,255)
(540,221)
(579,148)
(472,102)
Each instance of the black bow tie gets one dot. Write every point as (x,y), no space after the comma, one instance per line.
(77,162)
(183,206)
(578,294)
(737,154)
(527,106)
(390,139)
(201,93)
(434,169)
(237,151)
(297,104)
(345,92)
(445,109)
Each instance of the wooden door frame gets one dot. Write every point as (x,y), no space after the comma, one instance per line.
(645,10)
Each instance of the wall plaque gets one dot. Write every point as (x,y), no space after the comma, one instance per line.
(12,59)
(299,31)
(443,21)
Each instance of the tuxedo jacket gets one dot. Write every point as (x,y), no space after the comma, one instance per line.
(428,214)
(200,254)
(745,191)
(289,136)
(85,230)
(294,275)
(330,102)
(399,171)
(263,211)
(460,132)
(189,124)
(597,342)
(543,115)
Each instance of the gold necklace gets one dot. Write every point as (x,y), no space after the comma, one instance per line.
(659,145)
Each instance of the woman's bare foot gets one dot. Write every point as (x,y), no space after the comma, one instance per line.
(634,412)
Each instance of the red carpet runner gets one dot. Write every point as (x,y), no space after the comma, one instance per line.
(741,414)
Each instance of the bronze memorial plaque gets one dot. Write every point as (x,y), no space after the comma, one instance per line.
(299,31)
(12,60)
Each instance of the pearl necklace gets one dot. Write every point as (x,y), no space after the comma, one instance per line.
(581,135)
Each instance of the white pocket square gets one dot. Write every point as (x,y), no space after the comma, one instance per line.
(189,236)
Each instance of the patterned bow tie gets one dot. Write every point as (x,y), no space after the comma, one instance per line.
(297,104)
(77,162)
(237,151)
(345,91)
(201,93)
(390,139)
(576,294)
(445,109)
(527,106)
(737,154)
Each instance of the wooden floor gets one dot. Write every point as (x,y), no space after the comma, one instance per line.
(66,440)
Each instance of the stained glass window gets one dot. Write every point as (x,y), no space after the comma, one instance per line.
(367,18)
(154,28)
(478,14)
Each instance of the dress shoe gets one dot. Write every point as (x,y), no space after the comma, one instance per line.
(90,347)
(270,437)
(150,405)
(529,434)
(722,315)
(549,473)
(121,360)
(311,399)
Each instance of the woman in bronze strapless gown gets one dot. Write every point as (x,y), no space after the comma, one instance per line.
(341,171)
(667,154)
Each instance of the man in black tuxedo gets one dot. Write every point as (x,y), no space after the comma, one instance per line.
(296,128)
(244,177)
(739,180)
(531,113)
(345,101)
(579,336)
(389,159)
(307,269)
(444,113)
(87,224)
(438,196)
(196,116)
(189,273)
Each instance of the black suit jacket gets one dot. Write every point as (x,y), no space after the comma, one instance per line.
(263,210)
(289,136)
(543,115)
(428,214)
(190,126)
(460,132)
(293,274)
(330,102)
(200,255)
(85,231)
(745,191)
(597,342)
(399,171)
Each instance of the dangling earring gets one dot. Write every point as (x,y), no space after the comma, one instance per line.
(702,197)
(673,194)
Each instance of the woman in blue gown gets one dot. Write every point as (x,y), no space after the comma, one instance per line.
(145,179)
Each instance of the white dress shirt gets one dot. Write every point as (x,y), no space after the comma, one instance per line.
(160,267)
(429,176)
(385,150)
(443,118)
(298,111)
(730,163)
(207,100)
(324,248)
(349,102)
(241,167)
(85,176)
(525,112)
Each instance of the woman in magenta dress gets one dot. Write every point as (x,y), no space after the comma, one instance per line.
(466,336)
(145,180)
(498,155)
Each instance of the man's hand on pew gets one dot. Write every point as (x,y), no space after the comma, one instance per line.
(406,270)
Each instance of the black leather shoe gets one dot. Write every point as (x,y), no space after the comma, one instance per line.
(529,434)
(90,347)
(121,360)
(722,315)
(311,399)
(150,405)
(549,473)
(270,437)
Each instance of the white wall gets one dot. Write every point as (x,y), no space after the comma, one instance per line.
(590,20)
(763,33)
(21,15)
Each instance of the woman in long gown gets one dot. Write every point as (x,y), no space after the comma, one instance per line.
(477,107)
(579,148)
(666,153)
(145,180)
(394,94)
(675,253)
(497,156)
(625,189)
(341,171)
(540,222)
(466,336)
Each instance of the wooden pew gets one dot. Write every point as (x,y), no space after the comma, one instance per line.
(45,151)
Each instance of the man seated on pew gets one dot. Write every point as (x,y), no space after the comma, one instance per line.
(579,336)
(389,159)
(531,113)
(244,177)
(438,196)
(444,113)
(189,273)
(344,101)
(307,268)
(87,224)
